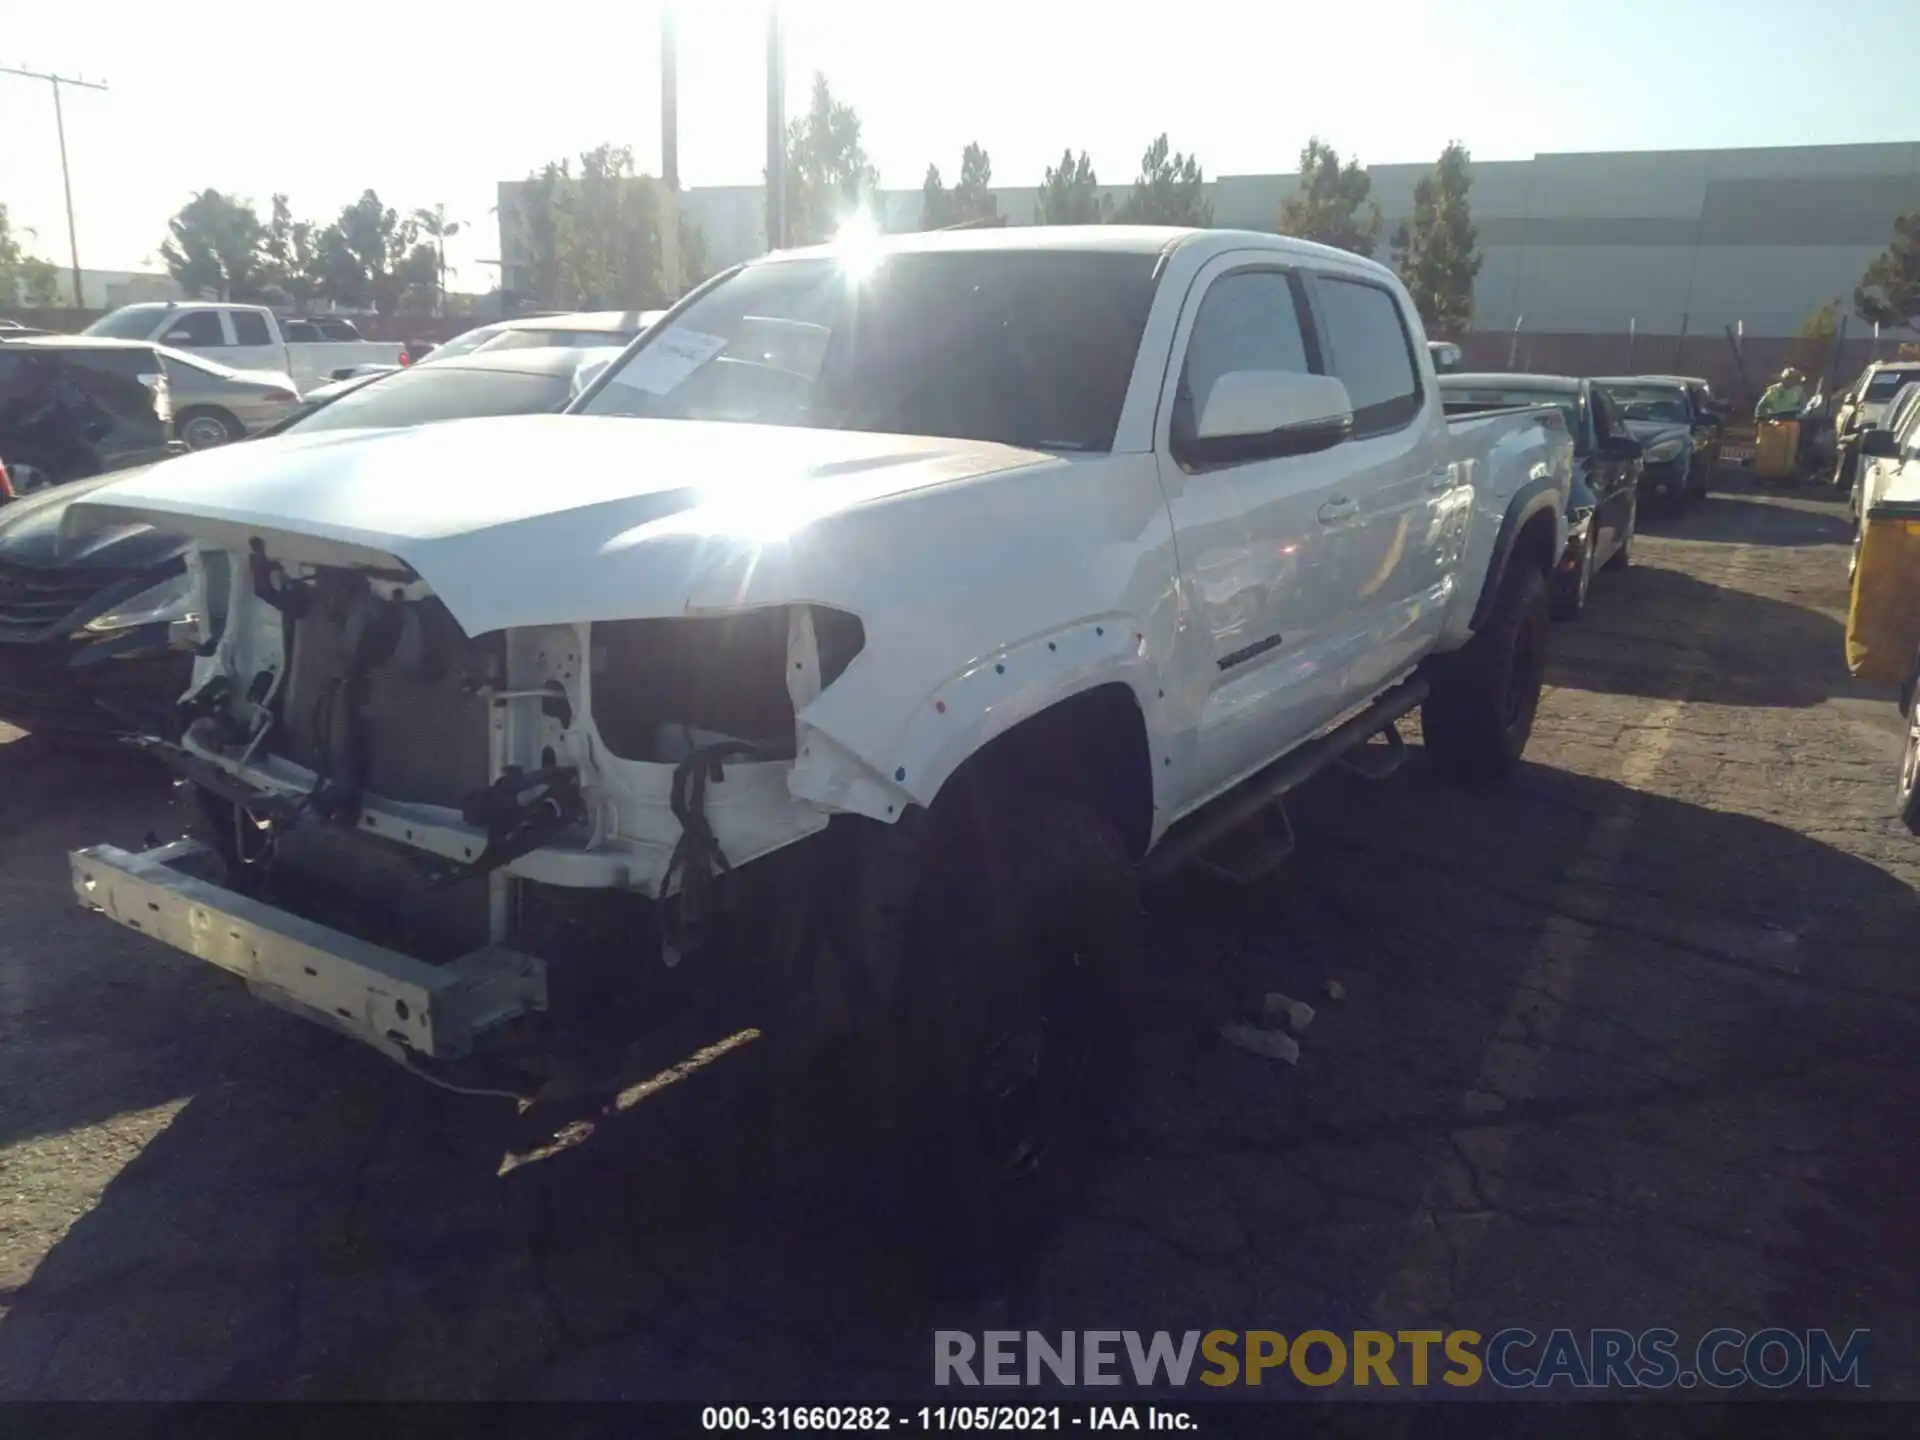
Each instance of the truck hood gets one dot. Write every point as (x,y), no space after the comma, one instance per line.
(553,519)
(31,532)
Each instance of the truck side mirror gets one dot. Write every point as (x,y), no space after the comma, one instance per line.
(1259,414)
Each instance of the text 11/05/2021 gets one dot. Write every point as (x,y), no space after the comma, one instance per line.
(935,1419)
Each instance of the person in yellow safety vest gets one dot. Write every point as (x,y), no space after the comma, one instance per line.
(1784,398)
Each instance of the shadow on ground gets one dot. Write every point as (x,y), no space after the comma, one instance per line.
(1734,514)
(1757,651)
(314,1223)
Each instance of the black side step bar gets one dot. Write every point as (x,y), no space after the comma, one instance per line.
(1230,811)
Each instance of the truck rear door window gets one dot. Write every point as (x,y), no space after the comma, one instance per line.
(250,329)
(197,329)
(1369,349)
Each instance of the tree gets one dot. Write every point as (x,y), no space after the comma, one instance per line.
(39,281)
(592,238)
(828,177)
(1889,290)
(696,266)
(1818,332)
(973,197)
(1334,204)
(215,248)
(437,228)
(970,200)
(1070,193)
(936,205)
(608,234)
(1170,190)
(290,252)
(1437,251)
(375,254)
(12,259)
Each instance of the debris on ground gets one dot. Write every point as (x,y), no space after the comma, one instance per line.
(1335,990)
(1297,1013)
(1258,1040)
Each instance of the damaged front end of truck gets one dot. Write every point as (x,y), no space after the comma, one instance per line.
(496,858)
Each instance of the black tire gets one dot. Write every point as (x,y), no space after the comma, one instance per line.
(1479,716)
(203,427)
(1569,600)
(1908,790)
(1019,998)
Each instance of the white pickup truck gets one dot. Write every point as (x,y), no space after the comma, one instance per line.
(839,676)
(247,337)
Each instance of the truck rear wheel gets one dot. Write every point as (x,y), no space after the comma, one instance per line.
(1479,716)
(1019,987)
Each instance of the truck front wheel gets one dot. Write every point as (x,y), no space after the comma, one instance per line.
(1478,718)
(1020,984)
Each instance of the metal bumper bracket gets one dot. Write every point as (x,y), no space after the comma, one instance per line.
(393,1002)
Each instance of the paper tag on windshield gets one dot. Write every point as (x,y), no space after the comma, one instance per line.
(669,359)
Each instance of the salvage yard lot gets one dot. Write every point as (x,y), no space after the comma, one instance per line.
(1629,1043)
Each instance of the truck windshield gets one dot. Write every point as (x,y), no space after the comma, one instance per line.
(1028,348)
(129,322)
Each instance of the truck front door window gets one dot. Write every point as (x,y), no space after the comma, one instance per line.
(1248,321)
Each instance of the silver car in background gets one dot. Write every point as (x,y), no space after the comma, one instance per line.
(215,405)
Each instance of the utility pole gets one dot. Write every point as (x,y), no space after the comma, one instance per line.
(776,131)
(66,179)
(669,155)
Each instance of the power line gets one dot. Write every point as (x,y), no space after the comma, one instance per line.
(66,178)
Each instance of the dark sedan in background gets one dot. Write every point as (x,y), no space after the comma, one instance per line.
(1604,503)
(1659,414)
(85,627)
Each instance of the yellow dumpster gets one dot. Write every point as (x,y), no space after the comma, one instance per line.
(1883,618)
(1776,449)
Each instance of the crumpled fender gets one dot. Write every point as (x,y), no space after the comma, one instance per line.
(837,767)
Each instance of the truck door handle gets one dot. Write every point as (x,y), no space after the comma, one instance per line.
(1337,509)
(1440,478)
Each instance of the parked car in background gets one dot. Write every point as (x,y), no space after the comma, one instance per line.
(1709,423)
(85,643)
(244,337)
(72,407)
(1603,503)
(1883,449)
(1659,414)
(1861,406)
(215,405)
(582,330)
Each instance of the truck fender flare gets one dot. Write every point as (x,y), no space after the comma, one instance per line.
(1536,496)
(964,713)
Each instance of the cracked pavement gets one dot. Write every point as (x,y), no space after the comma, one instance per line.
(1627,1043)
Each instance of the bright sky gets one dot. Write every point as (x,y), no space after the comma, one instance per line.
(434,103)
